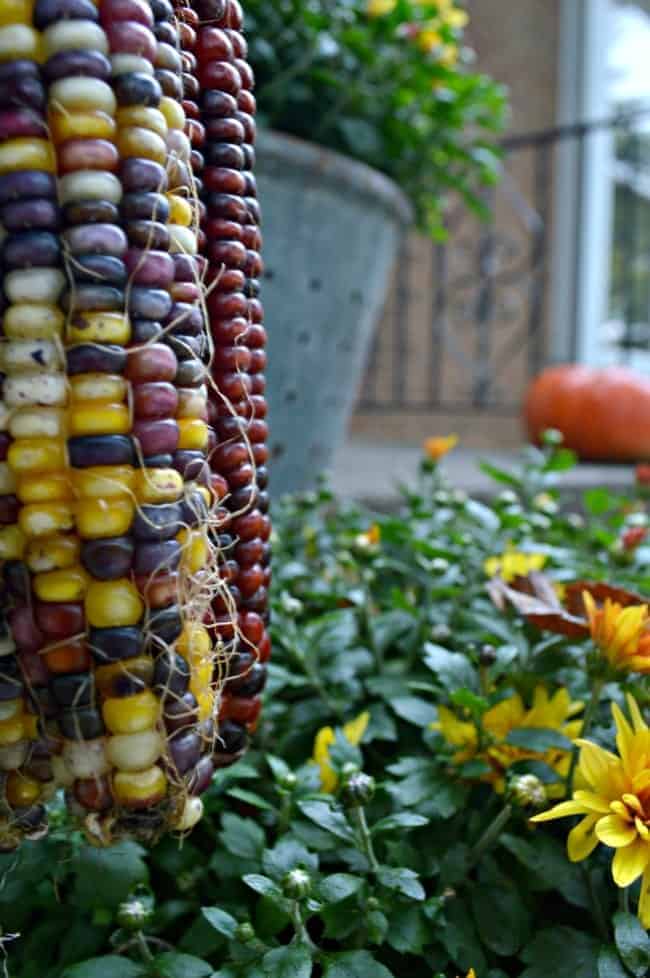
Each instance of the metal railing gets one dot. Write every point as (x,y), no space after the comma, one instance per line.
(467,321)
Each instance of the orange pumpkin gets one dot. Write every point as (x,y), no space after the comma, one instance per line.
(604,414)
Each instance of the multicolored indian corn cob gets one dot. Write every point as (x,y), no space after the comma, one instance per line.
(133,526)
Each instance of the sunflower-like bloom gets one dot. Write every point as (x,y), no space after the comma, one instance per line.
(621,634)
(513,563)
(436,448)
(325,738)
(614,802)
(556,712)
(380,8)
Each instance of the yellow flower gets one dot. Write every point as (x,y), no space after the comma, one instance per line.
(554,712)
(379,8)
(437,448)
(614,802)
(427,40)
(352,731)
(620,633)
(456,19)
(449,56)
(513,563)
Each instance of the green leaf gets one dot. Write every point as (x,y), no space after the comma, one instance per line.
(561,952)
(414,710)
(538,739)
(109,966)
(322,813)
(598,501)
(402,880)
(610,965)
(242,836)
(452,669)
(294,961)
(105,877)
(500,475)
(501,918)
(633,943)
(171,964)
(222,922)
(354,964)
(401,820)
(288,854)
(279,767)
(338,887)
(262,884)
(250,798)
(409,931)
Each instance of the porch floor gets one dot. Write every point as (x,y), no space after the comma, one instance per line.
(371,471)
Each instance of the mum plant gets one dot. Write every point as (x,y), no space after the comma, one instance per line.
(456,689)
(388,82)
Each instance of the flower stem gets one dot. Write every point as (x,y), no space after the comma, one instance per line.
(624,899)
(299,925)
(365,839)
(490,836)
(590,713)
(284,817)
(143,947)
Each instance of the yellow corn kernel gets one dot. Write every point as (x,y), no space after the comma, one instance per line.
(113,604)
(11,731)
(52,553)
(180,210)
(41,519)
(20,790)
(16,12)
(20,41)
(136,141)
(194,642)
(30,726)
(100,327)
(98,518)
(207,495)
(27,154)
(98,418)
(131,714)
(201,676)
(61,585)
(193,434)
(138,667)
(104,481)
(173,112)
(205,699)
(38,422)
(111,388)
(49,487)
(7,480)
(80,125)
(33,321)
(196,550)
(37,455)
(158,485)
(142,115)
(12,542)
(139,789)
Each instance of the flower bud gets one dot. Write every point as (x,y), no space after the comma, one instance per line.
(441,633)
(528,791)
(245,933)
(287,781)
(296,884)
(134,914)
(487,655)
(358,789)
(552,438)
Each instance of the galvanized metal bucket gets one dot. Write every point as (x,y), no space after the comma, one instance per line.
(331,229)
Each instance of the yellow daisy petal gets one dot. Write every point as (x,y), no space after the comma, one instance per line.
(630,862)
(644,899)
(561,811)
(637,720)
(582,839)
(592,802)
(355,729)
(614,831)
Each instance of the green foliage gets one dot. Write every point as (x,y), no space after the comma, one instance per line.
(441,870)
(376,86)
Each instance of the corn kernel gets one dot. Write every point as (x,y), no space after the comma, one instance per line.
(193,434)
(135,752)
(11,731)
(80,125)
(7,480)
(30,726)
(142,115)
(131,714)
(173,112)
(138,667)
(98,418)
(30,355)
(113,604)
(61,585)
(196,550)
(136,141)
(27,154)
(38,422)
(24,389)
(52,553)
(16,12)
(12,542)
(104,481)
(42,519)
(100,327)
(201,676)
(20,790)
(139,789)
(194,642)
(36,455)
(49,487)
(20,41)
(37,285)
(205,699)
(182,240)
(9,709)
(180,210)
(74,35)
(97,518)
(98,387)
(158,485)
(77,94)
(33,321)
